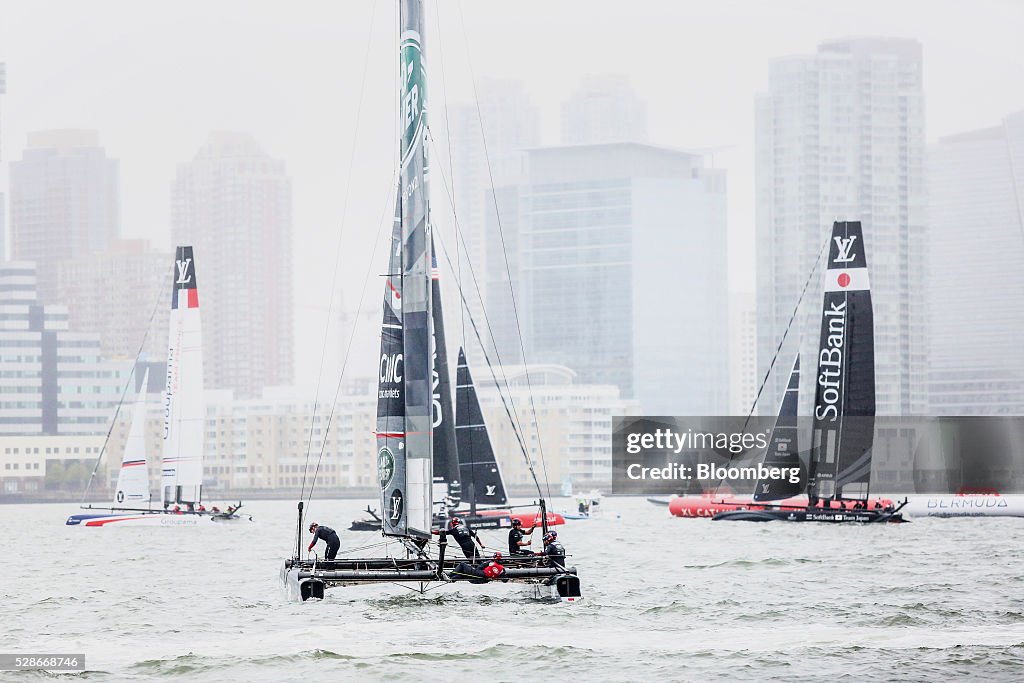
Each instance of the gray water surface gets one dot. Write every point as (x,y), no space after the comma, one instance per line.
(666,599)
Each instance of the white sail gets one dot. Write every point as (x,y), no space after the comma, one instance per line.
(133,479)
(184,410)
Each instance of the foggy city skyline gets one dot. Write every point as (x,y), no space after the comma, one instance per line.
(470,325)
(318,97)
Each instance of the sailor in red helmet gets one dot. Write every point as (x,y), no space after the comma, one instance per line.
(494,569)
(464,536)
(329,536)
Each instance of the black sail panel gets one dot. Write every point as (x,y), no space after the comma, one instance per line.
(390,394)
(844,405)
(783,448)
(481,478)
(446,459)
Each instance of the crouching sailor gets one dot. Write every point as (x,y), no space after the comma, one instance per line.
(465,536)
(488,570)
(329,536)
(516,544)
(553,550)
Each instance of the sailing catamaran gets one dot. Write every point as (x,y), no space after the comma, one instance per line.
(783,452)
(839,475)
(465,467)
(184,417)
(405,395)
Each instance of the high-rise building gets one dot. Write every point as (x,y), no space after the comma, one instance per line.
(743,378)
(605,108)
(65,200)
(840,136)
(122,295)
(975,248)
(3,199)
(488,150)
(622,260)
(52,380)
(232,202)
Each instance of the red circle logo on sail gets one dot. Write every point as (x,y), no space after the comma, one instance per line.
(843,279)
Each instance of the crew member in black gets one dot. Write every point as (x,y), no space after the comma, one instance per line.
(554,550)
(329,536)
(464,536)
(516,544)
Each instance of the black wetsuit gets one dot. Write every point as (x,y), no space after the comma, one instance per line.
(464,536)
(330,536)
(515,535)
(556,554)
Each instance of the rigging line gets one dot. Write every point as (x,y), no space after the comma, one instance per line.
(451,164)
(117,410)
(337,250)
(1015,180)
(465,310)
(451,171)
(513,421)
(778,349)
(352,334)
(504,251)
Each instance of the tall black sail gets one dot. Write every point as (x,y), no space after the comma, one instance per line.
(446,459)
(481,478)
(844,404)
(783,448)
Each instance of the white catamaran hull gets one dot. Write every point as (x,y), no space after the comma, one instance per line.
(979,505)
(151,519)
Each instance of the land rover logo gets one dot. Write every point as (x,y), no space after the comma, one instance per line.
(120,496)
(396,507)
(385,467)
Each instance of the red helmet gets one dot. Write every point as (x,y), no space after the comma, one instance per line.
(313,526)
(454,522)
(497,556)
(550,536)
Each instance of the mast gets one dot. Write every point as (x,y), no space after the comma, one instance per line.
(133,478)
(447,486)
(404,433)
(184,410)
(783,448)
(477,465)
(844,404)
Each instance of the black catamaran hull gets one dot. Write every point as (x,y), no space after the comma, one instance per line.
(306,580)
(827,516)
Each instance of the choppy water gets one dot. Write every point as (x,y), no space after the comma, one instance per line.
(666,599)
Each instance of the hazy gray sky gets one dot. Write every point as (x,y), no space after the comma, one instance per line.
(155,78)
